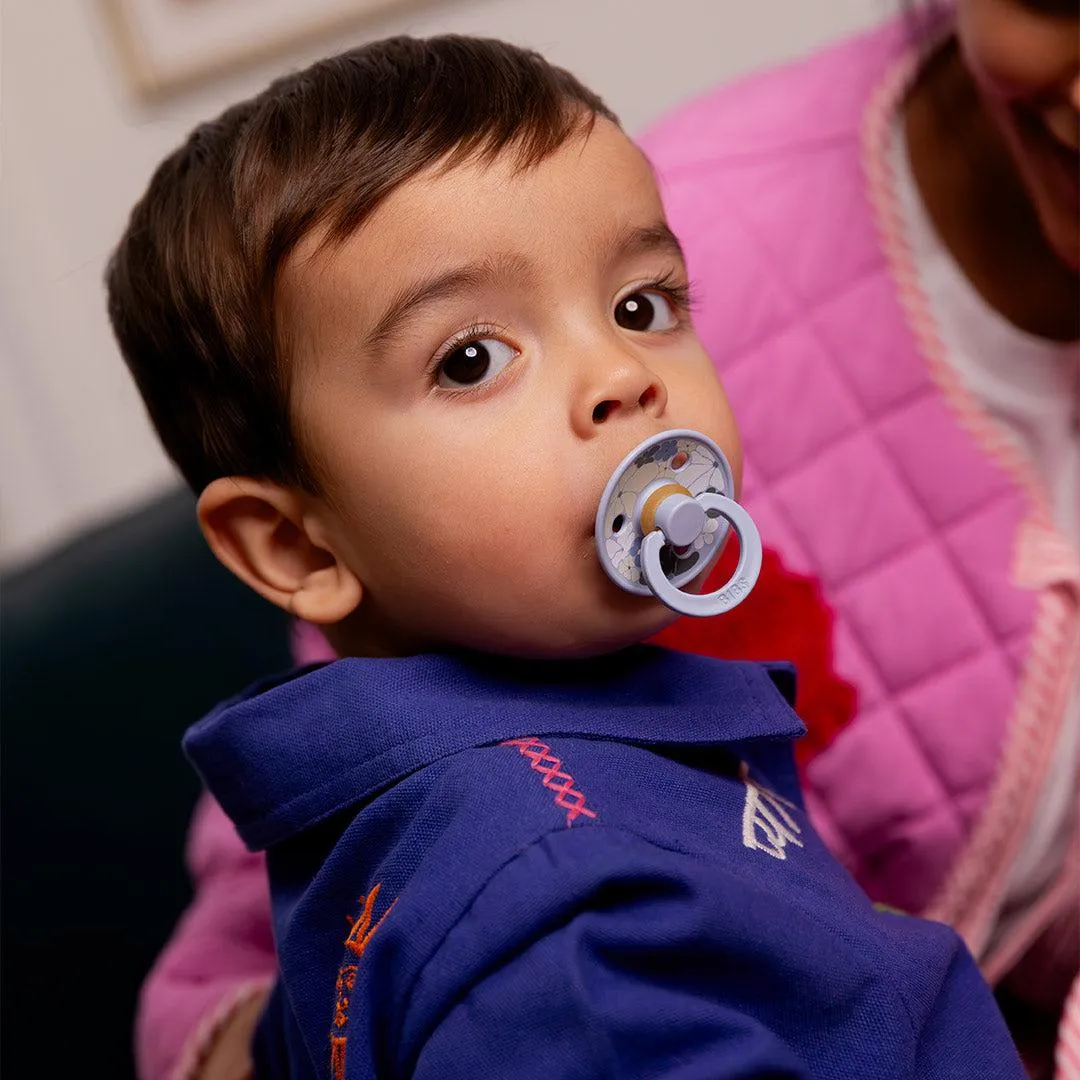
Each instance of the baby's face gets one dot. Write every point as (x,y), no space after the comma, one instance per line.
(470,366)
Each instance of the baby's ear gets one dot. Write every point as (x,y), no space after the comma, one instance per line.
(273,539)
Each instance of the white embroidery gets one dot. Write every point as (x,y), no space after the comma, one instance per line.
(767,822)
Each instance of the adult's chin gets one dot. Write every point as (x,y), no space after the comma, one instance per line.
(1064,241)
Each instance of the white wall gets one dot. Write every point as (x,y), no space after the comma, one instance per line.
(76,151)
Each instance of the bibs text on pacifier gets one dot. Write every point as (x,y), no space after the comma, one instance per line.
(663,519)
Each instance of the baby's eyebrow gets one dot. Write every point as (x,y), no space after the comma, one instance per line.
(411,299)
(414,297)
(647,240)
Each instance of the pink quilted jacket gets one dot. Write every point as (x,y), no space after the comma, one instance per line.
(867,467)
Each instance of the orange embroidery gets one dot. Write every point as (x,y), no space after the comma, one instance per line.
(550,768)
(360,933)
(346,980)
(337,1057)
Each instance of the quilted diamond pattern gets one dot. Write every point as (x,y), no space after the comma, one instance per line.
(794,362)
(857,327)
(945,494)
(981,543)
(964,694)
(895,614)
(867,516)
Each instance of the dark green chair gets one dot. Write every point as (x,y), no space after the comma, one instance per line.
(109,648)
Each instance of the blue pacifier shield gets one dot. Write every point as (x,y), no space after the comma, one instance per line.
(663,519)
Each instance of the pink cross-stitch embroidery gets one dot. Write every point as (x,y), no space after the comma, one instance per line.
(543,761)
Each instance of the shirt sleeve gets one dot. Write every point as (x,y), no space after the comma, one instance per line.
(585,960)
(221,953)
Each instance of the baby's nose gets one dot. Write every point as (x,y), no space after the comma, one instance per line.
(624,386)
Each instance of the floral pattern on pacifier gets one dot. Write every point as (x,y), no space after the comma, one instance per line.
(663,519)
(683,458)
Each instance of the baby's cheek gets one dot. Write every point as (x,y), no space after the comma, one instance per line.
(711,414)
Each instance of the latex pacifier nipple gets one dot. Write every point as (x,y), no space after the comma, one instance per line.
(663,519)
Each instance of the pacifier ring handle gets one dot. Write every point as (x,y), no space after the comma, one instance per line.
(663,518)
(732,592)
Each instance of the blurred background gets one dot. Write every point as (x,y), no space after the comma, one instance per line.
(93,93)
(118,628)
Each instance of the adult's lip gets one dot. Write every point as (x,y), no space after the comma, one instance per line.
(1063,126)
(1067,162)
(1048,140)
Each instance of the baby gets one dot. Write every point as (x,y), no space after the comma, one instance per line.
(412,323)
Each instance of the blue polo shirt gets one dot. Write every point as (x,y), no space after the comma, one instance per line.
(486,868)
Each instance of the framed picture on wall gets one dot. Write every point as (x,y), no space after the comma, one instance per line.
(167,45)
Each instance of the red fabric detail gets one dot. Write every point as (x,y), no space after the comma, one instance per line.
(785,617)
(550,768)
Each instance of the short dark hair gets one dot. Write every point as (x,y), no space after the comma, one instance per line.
(191,284)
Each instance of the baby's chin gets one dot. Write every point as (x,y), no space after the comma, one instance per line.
(628,621)
(600,619)
(615,620)
(615,623)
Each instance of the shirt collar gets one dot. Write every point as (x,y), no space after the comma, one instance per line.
(292,751)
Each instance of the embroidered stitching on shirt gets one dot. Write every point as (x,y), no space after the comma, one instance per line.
(362,931)
(549,767)
(337,1057)
(360,934)
(346,981)
(767,823)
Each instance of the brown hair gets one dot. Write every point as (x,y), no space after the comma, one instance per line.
(191,284)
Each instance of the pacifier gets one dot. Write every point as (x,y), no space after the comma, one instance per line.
(663,519)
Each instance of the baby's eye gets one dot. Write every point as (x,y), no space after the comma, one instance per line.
(474,362)
(645,311)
